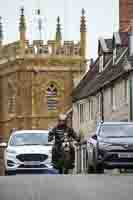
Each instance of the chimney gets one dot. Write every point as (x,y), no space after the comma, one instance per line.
(131,38)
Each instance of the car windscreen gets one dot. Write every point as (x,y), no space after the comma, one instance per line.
(29,139)
(120,130)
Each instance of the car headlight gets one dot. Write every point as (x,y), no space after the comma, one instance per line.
(11,151)
(104,145)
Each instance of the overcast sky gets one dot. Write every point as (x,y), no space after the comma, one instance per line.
(101,15)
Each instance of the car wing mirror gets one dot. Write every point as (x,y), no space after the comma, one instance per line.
(94,137)
(3,145)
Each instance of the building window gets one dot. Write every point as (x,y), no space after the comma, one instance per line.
(81,113)
(113,98)
(90,109)
(51,94)
(101,59)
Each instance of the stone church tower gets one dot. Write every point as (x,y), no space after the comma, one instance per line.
(125,14)
(36,80)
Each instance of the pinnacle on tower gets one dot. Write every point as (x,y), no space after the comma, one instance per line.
(58,31)
(1,31)
(83,22)
(83,34)
(22,26)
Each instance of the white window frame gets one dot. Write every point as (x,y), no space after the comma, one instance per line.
(101,67)
(91,109)
(114,55)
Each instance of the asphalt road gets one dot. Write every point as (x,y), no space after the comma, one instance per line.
(71,187)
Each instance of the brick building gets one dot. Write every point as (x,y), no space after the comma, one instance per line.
(36,80)
(125,14)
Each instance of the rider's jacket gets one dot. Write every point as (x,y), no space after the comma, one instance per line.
(58,133)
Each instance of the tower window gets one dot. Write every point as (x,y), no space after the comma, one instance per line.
(11,100)
(51,94)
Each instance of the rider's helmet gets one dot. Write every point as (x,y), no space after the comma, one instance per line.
(62,117)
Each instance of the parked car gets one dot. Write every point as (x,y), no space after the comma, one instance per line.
(28,150)
(111,147)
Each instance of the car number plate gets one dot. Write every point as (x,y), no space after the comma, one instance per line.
(31,163)
(125,155)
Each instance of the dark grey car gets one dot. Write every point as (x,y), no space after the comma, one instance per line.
(111,147)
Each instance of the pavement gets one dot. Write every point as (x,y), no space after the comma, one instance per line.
(69,187)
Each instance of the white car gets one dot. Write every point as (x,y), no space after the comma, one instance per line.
(28,150)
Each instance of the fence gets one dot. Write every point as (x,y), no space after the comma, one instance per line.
(81,158)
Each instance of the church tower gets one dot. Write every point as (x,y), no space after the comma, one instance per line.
(125,14)
(37,77)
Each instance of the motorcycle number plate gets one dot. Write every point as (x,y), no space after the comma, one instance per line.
(67,148)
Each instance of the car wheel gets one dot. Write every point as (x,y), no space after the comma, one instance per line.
(90,169)
(99,169)
(8,173)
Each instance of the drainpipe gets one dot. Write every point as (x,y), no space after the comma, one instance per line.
(102,106)
(130,100)
(130,78)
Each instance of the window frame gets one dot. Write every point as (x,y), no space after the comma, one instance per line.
(52,99)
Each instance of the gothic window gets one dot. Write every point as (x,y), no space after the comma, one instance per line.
(11,100)
(57,51)
(76,51)
(40,51)
(46,51)
(51,94)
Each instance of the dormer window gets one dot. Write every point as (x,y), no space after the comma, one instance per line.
(101,63)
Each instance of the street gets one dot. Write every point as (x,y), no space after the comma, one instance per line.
(40,187)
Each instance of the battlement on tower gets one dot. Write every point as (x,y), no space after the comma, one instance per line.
(39,48)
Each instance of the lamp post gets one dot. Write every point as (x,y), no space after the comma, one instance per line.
(130,99)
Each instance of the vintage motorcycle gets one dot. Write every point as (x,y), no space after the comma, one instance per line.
(64,162)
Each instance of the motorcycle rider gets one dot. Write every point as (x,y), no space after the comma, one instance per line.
(58,132)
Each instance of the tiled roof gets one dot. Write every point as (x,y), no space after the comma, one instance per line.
(90,75)
(100,80)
